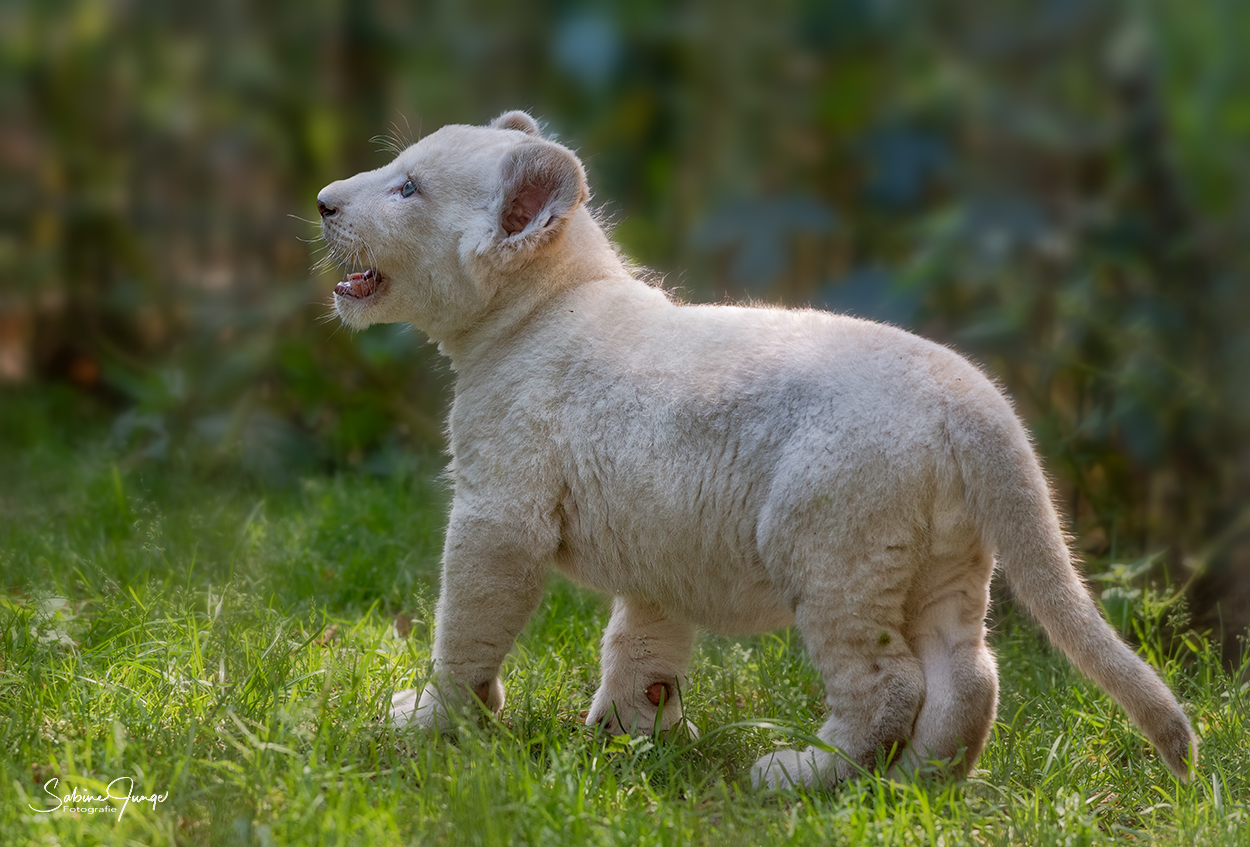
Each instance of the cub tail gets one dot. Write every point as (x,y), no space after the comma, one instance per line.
(1010,500)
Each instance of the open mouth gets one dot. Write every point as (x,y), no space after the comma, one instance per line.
(358,286)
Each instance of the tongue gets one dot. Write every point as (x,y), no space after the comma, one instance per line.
(357,285)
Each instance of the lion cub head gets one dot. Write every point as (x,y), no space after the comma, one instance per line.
(432,237)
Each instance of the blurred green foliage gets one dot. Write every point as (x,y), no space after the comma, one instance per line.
(1059,188)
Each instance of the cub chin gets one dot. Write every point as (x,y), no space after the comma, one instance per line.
(711,468)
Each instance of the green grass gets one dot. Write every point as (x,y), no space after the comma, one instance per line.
(233,647)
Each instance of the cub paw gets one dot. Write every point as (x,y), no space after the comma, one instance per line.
(635,712)
(790,769)
(404,706)
(436,707)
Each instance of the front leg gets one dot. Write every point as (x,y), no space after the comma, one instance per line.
(645,655)
(491,586)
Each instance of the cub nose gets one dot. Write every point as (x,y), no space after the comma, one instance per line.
(326,211)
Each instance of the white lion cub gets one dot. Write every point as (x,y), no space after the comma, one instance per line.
(711,467)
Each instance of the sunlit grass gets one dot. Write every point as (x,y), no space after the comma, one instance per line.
(232,648)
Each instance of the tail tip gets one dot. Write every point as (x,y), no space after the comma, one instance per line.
(1179,749)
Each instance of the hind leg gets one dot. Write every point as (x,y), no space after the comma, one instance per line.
(961,699)
(961,676)
(874,684)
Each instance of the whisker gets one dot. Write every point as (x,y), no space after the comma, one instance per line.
(404,137)
(388,144)
(332,334)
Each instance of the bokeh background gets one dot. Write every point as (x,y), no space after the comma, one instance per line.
(1059,188)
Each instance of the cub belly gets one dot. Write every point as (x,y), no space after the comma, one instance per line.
(718,591)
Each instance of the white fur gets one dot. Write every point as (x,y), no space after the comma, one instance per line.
(711,467)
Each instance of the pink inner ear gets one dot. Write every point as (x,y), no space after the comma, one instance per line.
(527,202)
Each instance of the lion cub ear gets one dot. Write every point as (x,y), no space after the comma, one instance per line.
(517,120)
(541,184)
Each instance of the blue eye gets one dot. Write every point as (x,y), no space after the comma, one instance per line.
(409,189)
